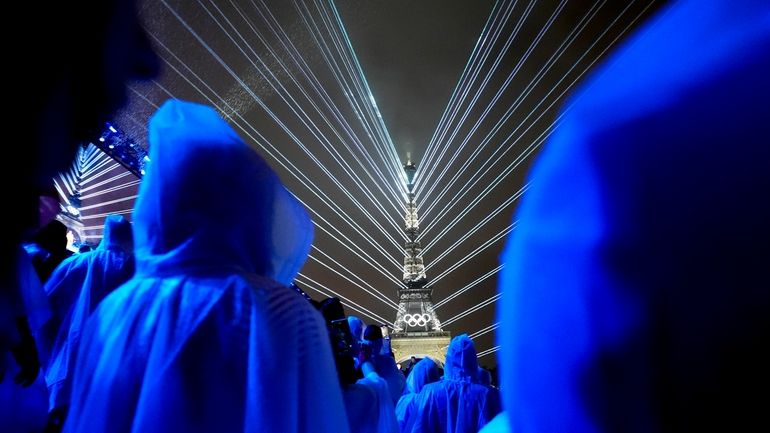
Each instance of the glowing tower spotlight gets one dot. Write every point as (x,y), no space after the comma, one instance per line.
(417,331)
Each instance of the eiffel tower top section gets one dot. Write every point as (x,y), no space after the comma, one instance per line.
(414,269)
(410,169)
(415,307)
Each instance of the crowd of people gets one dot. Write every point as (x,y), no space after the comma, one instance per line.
(175,321)
(636,288)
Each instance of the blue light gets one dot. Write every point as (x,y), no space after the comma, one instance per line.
(112,128)
(101,139)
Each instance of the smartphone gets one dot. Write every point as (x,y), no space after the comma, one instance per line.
(342,338)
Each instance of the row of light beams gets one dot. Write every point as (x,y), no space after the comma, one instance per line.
(373,177)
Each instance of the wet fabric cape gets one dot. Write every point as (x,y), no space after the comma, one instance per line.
(207,336)
(74,290)
(423,373)
(455,404)
(369,406)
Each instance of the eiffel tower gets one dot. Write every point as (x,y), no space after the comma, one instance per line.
(417,330)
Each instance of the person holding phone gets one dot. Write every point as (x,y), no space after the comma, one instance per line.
(384,365)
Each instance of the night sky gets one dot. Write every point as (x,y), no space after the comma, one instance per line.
(286,77)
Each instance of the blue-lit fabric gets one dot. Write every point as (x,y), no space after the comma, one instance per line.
(455,404)
(387,368)
(369,406)
(34,300)
(423,373)
(207,337)
(461,363)
(635,288)
(499,424)
(361,407)
(22,409)
(74,290)
(357,327)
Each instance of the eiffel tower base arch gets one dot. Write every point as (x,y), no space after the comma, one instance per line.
(420,345)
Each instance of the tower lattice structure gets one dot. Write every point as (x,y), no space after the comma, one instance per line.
(415,304)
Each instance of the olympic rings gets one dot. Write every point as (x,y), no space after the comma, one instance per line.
(416,319)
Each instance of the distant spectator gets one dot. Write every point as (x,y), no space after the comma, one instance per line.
(48,248)
(383,364)
(421,374)
(74,290)
(455,404)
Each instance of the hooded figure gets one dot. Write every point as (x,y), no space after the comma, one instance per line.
(422,373)
(207,336)
(48,249)
(382,362)
(368,404)
(635,287)
(74,290)
(455,404)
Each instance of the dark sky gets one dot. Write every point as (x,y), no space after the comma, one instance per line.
(289,83)
(413,53)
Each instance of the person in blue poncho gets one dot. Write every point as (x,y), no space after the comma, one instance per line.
(455,404)
(381,361)
(636,287)
(368,403)
(208,336)
(74,290)
(422,373)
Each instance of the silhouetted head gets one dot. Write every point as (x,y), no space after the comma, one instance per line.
(424,372)
(461,362)
(52,237)
(373,337)
(208,200)
(332,309)
(117,234)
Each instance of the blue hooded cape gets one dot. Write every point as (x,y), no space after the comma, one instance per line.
(207,336)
